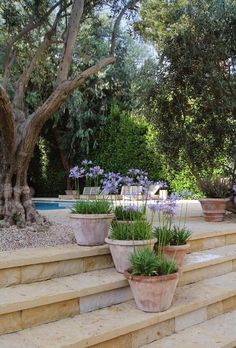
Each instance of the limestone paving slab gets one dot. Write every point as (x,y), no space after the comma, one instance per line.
(209,257)
(59,289)
(31,256)
(218,332)
(105,324)
(24,296)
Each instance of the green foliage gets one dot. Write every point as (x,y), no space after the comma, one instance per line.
(192,96)
(138,230)
(127,142)
(179,235)
(92,207)
(174,235)
(128,215)
(146,262)
(216,187)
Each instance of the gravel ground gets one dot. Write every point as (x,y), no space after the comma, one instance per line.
(35,236)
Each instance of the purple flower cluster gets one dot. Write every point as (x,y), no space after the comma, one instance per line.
(144,182)
(112,182)
(77,172)
(132,208)
(94,172)
(168,207)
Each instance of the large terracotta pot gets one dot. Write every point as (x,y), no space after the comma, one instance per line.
(176,253)
(153,294)
(91,229)
(214,209)
(121,250)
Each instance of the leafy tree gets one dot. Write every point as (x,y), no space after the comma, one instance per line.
(191,95)
(29,32)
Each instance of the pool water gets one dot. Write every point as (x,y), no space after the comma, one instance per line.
(46,205)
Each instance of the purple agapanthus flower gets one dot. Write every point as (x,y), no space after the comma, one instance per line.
(132,207)
(95,171)
(112,182)
(128,181)
(77,172)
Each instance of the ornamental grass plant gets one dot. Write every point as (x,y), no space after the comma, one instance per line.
(138,230)
(100,206)
(129,213)
(146,262)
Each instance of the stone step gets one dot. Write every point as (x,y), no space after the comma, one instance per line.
(35,264)
(218,332)
(26,305)
(208,263)
(125,326)
(208,237)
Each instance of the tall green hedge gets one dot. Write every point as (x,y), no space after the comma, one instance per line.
(126,142)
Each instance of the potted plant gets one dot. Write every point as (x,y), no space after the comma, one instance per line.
(172,243)
(92,220)
(152,279)
(125,238)
(217,192)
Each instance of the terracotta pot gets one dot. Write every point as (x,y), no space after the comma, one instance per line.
(121,250)
(91,229)
(176,252)
(153,294)
(214,209)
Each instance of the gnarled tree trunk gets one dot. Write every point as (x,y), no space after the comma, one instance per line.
(19,130)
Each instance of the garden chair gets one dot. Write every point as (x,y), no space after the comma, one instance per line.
(131,192)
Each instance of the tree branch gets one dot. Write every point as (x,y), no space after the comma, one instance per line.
(35,121)
(130,4)
(23,81)
(69,41)
(7,126)
(28,28)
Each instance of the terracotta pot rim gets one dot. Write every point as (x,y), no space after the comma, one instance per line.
(92,216)
(214,199)
(149,279)
(177,247)
(130,242)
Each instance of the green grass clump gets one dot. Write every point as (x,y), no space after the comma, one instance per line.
(122,213)
(174,235)
(146,262)
(92,207)
(138,230)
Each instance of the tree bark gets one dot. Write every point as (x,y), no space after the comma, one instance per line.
(18,130)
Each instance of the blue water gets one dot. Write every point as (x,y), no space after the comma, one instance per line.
(45,205)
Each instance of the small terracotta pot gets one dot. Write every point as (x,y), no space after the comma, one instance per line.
(214,209)
(176,253)
(91,229)
(153,294)
(121,250)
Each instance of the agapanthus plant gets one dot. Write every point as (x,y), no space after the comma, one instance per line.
(76,173)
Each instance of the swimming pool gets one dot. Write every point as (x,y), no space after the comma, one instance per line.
(53,205)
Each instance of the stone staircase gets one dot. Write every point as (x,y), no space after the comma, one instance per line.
(73,297)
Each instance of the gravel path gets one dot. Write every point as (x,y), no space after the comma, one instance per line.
(35,236)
